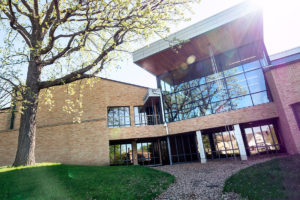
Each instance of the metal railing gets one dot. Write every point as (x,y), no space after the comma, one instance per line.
(145,120)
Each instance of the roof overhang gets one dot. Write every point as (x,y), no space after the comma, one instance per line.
(227,30)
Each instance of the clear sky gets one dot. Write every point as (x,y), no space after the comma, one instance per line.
(281,32)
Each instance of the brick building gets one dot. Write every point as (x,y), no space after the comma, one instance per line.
(220,95)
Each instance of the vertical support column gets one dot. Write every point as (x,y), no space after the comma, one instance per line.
(159,150)
(155,114)
(240,141)
(169,150)
(201,147)
(134,153)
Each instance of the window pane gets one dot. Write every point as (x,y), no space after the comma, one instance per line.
(232,71)
(197,82)
(260,98)
(229,59)
(220,106)
(139,116)
(162,85)
(251,141)
(256,81)
(241,102)
(268,138)
(248,55)
(118,116)
(217,90)
(251,65)
(237,85)
(259,139)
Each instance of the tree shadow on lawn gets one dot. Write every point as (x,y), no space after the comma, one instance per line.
(83,182)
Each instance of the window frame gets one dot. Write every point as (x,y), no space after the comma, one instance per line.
(296,115)
(141,122)
(113,123)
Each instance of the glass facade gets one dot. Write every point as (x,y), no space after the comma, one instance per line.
(148,153)
(183,148)
(261,139)
(220,145)
(118,117)
(140,116)
(227,81)
(120,154)
(145,115)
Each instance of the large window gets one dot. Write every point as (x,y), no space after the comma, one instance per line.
(120,154)
(118,117)
(296,110)
(140,116)
(221,144)
(183,148)
(261,139)
(148,153)
(145,115)
(228,81)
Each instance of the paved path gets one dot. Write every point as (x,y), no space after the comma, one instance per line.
(203,181)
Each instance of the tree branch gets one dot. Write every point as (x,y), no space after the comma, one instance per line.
(118,39)
(15,25)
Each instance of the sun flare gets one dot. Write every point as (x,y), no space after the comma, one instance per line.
(281,23)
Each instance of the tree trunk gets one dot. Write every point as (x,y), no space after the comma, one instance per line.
(26,141)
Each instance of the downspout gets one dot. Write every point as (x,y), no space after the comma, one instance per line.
(12,119)
(165,125)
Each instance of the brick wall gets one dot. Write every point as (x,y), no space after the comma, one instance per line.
(59,140)
(255,113)
(284,82)
(5,116)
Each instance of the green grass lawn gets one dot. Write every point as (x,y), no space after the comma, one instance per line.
(58,181)
(275,179)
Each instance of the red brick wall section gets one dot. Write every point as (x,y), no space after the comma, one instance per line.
(255,113)
(5,116)
(59,140)
(284,82)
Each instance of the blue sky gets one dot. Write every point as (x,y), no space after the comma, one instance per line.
(281,32)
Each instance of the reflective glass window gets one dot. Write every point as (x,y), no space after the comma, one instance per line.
(233,71)
(140,116)
(241,102)
(118,117)
(260,98)
(234,77)
(221,106)
(218,90)
(256,81)
(237,85)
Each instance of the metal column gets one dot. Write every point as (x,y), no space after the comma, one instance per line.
(240,141)
(201,147)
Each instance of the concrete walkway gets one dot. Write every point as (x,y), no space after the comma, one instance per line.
(204,181)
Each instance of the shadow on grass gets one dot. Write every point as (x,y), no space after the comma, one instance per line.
(82,182)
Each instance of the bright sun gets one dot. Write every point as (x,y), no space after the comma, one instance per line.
(281,24)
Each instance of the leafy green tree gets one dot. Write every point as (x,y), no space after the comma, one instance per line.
(62,41)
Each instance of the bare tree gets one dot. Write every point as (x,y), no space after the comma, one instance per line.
(59,42)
